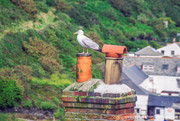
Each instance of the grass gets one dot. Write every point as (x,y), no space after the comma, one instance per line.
(8,117)
(55,80)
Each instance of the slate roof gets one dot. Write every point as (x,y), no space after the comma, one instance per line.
(139,90)
(148,51)
(162,101)
(133,76)
(157,62)
(176,105)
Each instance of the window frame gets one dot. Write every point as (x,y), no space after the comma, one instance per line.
(165,66)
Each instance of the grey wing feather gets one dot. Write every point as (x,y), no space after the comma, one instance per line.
(90,44)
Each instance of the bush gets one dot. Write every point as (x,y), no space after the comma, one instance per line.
(122,5)
(42,6)
(50,65)
(37,48)
(28,6)
(10,94)
(59,114)
(61,6)
(47,105)
(83,17)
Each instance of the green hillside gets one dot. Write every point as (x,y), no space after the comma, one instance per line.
(38,48)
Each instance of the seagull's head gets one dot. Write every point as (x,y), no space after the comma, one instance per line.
(79,32)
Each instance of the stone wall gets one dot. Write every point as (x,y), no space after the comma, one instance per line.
(88,106)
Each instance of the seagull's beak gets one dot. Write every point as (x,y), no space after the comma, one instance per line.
(75,33)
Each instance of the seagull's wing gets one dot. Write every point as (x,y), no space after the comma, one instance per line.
(90,44)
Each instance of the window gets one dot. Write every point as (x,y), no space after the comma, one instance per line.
(162,51)
(137,110)
(165,66)
(172,52)
(157,111)
(178,82)
(148,67)
(177,114)
(178,69)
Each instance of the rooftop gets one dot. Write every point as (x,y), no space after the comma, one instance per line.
(162,101)
(148,51)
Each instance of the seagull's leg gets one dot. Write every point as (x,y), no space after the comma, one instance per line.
(83,49)
(87,50)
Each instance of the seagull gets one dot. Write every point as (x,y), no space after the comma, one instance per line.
(85,42)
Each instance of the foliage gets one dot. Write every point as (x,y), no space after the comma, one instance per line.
(8,117)
(38,48)
(39,54)
(50,64)
(10,94)
(61,6)
(47,105)
(28,6)
(59,114)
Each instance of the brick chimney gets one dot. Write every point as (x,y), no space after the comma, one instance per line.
(98,99)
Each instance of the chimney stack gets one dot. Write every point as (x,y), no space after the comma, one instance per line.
(84,67)
(113,64)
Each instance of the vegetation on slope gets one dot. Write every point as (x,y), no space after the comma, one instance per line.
(37,45)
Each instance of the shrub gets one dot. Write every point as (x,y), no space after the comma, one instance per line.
(42,6)
(83,17)
(28,6)
(47,105)
(50,64)
(61,6)
(122,5)
(10,94)
(155,45)
(38,48)
(59,114)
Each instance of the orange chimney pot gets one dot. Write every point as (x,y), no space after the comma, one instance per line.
(114,51)
(84,67)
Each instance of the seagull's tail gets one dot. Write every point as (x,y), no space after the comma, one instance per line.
(100,50)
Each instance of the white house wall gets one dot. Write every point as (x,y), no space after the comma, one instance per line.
(141,103)
(161,116)
(169,113)
(172,47)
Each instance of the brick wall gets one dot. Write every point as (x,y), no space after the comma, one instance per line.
(95,106)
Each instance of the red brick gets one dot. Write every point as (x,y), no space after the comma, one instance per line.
(129,105)
(76,93)
(83,100)
(109,117)
(83,110)
(71,110)
(66,104)
(129,93)
(122,111)
(82,93)
(68,99)
(93,116)
(130,110)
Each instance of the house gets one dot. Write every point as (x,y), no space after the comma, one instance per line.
(133,77)
(176,107)
(148,52)
(162,85)
(161,107)
(155,65)
(171,50)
